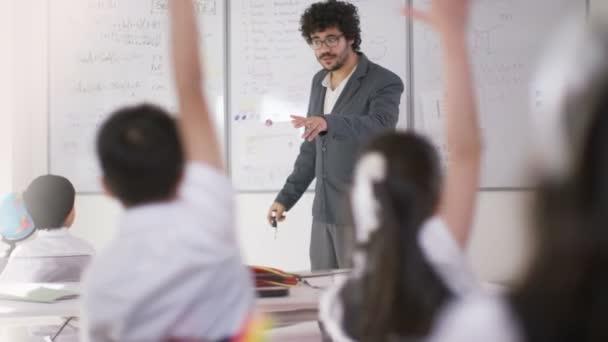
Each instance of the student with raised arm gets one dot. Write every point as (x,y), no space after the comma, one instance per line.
(412,224)
(562,294)
(174,270)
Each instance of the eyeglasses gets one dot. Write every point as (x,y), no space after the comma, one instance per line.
(329,41)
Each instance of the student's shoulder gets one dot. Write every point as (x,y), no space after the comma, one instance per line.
(202,181)
(436,236)
(477,317)
(26,248)
(445,255)
(19,251)
(84,246)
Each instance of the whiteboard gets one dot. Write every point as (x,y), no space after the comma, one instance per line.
(506,40)
(271,70)
(104,54)
(266,150)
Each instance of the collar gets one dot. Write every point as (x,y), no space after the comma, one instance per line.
(358,72)
(52,232)
(326,80)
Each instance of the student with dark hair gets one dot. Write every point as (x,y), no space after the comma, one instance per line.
(174,270)
(412,224)
(561,296)
(140,155)
(52,254)
(351,99)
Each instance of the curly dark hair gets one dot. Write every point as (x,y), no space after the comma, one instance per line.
(322,15)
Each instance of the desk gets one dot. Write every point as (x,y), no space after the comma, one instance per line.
(17,317)
(294,315)
(300,306)
(15,310)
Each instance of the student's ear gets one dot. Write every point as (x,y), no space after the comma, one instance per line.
(106,188)
(71,217)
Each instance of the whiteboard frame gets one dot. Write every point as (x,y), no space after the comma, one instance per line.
(48,89)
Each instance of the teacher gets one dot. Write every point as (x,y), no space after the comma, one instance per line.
(351,99)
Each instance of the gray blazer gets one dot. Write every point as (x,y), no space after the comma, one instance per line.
(368,105)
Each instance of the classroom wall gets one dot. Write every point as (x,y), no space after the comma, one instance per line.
(497,251)
(6,97)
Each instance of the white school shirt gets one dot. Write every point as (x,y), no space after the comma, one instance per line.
(331,96)
(443,254)
(173,270)
(477,318)
(51,255)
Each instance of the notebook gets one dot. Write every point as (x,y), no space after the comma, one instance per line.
(35,293)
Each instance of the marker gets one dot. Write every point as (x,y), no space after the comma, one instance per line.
(273,223)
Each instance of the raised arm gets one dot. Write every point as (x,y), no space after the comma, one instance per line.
(450,18)
(196,127)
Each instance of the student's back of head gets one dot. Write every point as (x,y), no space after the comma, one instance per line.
(140,154)
(52,254)
(562,295)
(396,191)
(49,200)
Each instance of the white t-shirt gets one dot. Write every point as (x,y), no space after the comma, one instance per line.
(331,96)
(173,270)
(49,256)
(444,255)
(477,318)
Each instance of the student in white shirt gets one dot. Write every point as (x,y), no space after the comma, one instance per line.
(562,295)
(52,254)
(411,224)
(174,270)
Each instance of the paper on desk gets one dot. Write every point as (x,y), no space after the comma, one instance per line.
(35,293)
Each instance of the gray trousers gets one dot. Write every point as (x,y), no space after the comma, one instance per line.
(330,246)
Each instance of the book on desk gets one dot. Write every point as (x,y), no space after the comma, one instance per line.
(272,282)
(37,293)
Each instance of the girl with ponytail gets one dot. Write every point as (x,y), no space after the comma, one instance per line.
(411,222)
